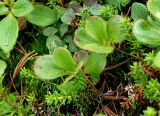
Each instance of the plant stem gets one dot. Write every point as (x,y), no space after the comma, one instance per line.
(74,74)
(90,83)
(117,65)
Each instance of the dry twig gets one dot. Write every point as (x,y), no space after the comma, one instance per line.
(19,66)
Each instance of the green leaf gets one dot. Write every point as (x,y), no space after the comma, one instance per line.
(2,67)
(95,27)
(154,21)
(63,59)
(114,30)
(53,42)
(154,7)
(8,33)
(41,15)
(95,9)
(85,41)
(138,11)
(72,47)
(95,65)
(49,31)
(45,68)
(99,36)
(68,16)
(95,78)
(156,61)
(146,33)
(63,29)
(53,66)
(3,9)
(22,8)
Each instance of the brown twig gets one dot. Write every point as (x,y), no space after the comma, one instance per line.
(128,11)
(58,110)
(90,83)
(22,48)
(115,98)
(108,111)
(115,108)
(111,75)
(125,53)
(20,51)
(20,64)
(117,65)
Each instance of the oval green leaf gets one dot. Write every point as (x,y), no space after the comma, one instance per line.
(154,7)
(63,59)
(95,27)
(146,33)
(68,16)
(53,42)
(41,16)
(86,42)
(139,11)
(49,31)
(45,68)
(8,33)
(22,8)
(114,30)
(96,63)
(99,36)
(63,29)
